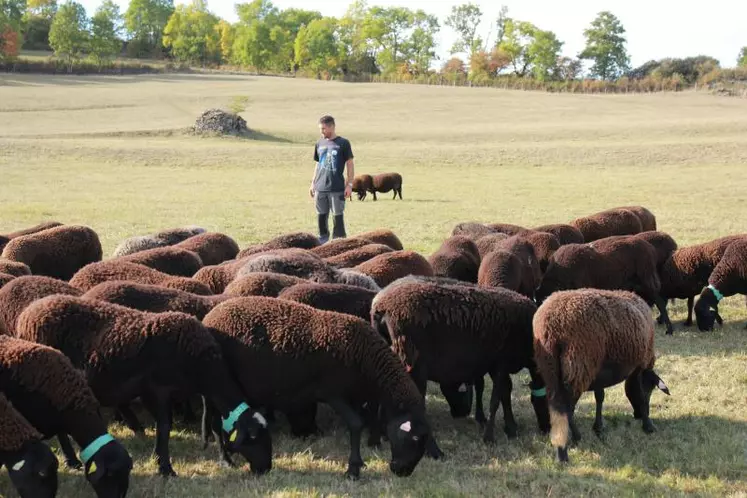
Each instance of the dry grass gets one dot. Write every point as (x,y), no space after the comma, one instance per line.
(109,152)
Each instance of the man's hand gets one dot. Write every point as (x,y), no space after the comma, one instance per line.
(311,190)
(348,192)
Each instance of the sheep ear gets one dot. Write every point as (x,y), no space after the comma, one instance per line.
(663,387)
(260,419)
(18,465)
(462,388)
(406,426)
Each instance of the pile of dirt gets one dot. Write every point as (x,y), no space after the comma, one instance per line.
(217,121)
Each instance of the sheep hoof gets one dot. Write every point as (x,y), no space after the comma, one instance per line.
(648,427)
(670,329)
(166,470)
(489,437)
(74,463)
(354,471)
(563,455)
(511,431)
(688,323)
(599,431)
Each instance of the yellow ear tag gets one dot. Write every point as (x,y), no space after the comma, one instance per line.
(233,435)
(92,468)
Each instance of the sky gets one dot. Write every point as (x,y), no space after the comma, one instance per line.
(655,28)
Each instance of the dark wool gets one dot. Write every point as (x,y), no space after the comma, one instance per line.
(336,247)
(358,256)
(383,236)
(213,248)
(261,284)
(14,268)
(171,260)
(341,298)
(295,262)
(15,430)
(608,223)
(388,267)
(300,240)
(18,294)
(489,243)
(566,234)
(458,258)
(113,269)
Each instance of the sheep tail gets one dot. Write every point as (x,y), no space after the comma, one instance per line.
(559,401)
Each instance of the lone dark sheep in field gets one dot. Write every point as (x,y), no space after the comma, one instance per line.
(127,353)
(728,278)
(213,248)
(358,256)
(457,258)
(57,252)
(454,334)
(53,396)
(306,356)
(388,267)
(341,298)
(154,298)
(171,260)
(261,284)
(109,270)
(686,272)
(159,239)
(608,223)
(18,294)
(566,234)
(32,467)
(382,236)
(588,340)
(300,240)
(5,238)
(387,182)
(362,184)
(14,268)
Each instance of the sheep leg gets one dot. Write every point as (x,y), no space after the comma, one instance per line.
(374,195)
(217,429)
(690,305)
(495,402)
(598,420)
(479,409)
(159,402)
(661,303)
(371,415)
(130,419)
(510,428)
(639,401)
(355,426)
(67,449)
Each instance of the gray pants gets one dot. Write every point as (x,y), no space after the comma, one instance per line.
(326,201)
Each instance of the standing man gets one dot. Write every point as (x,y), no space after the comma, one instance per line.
(329,189)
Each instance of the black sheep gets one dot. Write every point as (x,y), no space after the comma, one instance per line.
(341,298)
(728,278)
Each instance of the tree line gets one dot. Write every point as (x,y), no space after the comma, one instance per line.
(387,42)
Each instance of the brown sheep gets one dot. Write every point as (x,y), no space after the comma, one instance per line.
(588,340)
(566,234)
(217,277)
(362,184)
(358,256)
(159,239)
(728,278)
(472,229)
(523,249)
(647,218)
(14,268)
(300,240)
(336,247)
(388,267)
(171,260)
(544,245)
(5,238)
(19,293)
(261,284)
(105,271)
(608,223)
(56,252)
(341,298)
(457,258)
(502,269)
(663,243)
(387,182)
(213,248)
(507,228)
(296,262)
(382,236)
(489,243)
(5,278)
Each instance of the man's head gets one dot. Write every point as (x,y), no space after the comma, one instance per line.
(327,126)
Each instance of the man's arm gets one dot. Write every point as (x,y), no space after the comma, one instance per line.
(350,166)
(313,175)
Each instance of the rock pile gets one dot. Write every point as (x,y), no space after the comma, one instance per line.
(218,121)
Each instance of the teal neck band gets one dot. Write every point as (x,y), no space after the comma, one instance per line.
(539,393)
(716,293)
(234,416)
(95,446)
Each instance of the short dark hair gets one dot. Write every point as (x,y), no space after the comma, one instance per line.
(327,120)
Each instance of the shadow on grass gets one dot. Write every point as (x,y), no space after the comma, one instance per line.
(252,136)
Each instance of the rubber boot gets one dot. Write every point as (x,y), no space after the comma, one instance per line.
(338,227)
(323,220)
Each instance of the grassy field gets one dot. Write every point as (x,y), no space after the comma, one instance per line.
(111,153)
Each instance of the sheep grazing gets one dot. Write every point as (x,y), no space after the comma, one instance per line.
(171,260)
(646,217)
(458,258)
(213,248)
(112,269)
(14,268)
(348,276)
(362,184)
(382,236)
(728,278)
(5,238)
(56,252)
(358,256)
(341,298)
(127,353)
(503,269)
(507,228)
(303,356)
(5,278)
(686,272)
(544,245)
(53,396)
(588,340)
(608,223)
(489,243)
(300,240)
(154,298)
(217,277)
(261,284)
(472,229)
(159,239)
(454,334)
(18,294)
(295,262)
(388,267)
(386,182)
(335,247)
(32,467)
(566,234)
(531,274)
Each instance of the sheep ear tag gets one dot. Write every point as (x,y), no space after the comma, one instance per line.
(233,435)
(19,465)
(92,468)
(661,385)
(462,388)
(406,426)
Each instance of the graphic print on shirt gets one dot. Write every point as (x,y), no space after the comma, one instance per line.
(327,159)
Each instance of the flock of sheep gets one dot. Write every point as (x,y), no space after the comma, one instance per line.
(358,323)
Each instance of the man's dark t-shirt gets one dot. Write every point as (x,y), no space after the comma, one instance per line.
(331,156)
